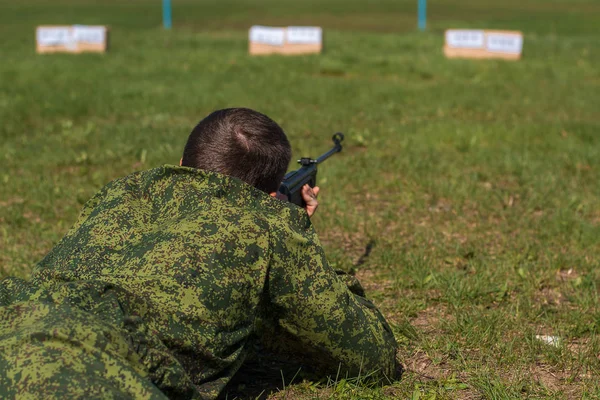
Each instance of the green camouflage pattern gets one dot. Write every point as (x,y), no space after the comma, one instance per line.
(74,342)
(166,282)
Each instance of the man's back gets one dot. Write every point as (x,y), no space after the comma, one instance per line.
(208,265)
(190,249)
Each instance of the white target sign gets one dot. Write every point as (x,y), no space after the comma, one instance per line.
(477,43)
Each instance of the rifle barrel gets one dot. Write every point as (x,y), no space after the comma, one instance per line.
(337,140)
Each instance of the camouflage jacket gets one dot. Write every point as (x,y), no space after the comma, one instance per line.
(188,269)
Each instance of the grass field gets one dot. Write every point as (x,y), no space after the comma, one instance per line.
(474,184)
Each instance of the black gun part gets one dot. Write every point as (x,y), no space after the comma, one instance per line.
(307,174)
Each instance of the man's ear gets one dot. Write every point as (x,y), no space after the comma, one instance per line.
(181,162)
(273,194)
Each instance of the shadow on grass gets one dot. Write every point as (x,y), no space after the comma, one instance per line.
(268,373)
(264,375)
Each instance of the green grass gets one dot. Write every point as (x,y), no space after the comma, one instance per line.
(476,182)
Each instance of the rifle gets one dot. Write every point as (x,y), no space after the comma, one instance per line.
(294,181)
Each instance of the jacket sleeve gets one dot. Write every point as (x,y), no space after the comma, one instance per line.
(316,308)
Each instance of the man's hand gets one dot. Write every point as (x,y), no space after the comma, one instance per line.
(310,198)
(308,194)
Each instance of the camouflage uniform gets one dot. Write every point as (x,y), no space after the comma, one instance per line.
(170,276)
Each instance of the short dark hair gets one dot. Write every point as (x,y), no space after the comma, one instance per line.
(242,143)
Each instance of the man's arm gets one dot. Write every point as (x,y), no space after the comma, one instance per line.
(312,305)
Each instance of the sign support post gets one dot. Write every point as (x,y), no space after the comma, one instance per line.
(422,14)
(167,23)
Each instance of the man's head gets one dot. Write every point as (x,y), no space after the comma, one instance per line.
(242,143)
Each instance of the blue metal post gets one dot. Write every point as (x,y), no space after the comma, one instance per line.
(167,23)
(422,14)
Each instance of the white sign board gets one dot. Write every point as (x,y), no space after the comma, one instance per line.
(304,34)
(71,39)
(54,36)
(89,34)
(469,43)
(469,39)
(290,40)
(267,35)
(505,43)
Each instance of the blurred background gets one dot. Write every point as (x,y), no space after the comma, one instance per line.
(473,183)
